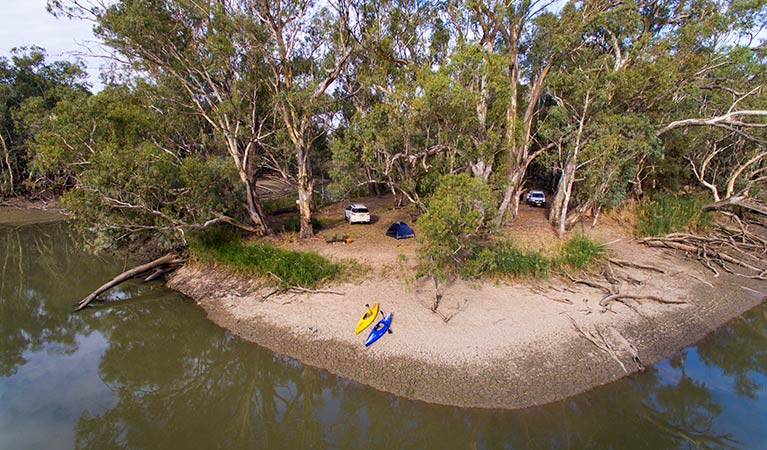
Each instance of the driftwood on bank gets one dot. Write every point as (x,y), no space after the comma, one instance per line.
(723,249)
(158,267)
(610,341)
(739,201)
(613,292)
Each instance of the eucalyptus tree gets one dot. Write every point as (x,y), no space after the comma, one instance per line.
(30,87)
(597,124)
(724,135)
(639,67)
(479,68)
(208,48)
(306,45)
(710,108)
(135,170)
(395,101)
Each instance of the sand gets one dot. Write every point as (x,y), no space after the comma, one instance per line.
(507,344)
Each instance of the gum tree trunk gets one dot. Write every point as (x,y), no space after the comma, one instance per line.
(561,202)
(305,191)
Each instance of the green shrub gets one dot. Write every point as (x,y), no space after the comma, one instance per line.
(505,259)
(293,224)
(671,214)
(510,260)
(458,218)
(306,269)
(578,252)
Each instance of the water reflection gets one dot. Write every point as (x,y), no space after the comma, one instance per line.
(162,377)
(41,277)
(740,351)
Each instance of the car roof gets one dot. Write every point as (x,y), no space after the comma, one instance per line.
(536,192)
(358,205)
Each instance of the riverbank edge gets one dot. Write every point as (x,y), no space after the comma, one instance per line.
(501,380)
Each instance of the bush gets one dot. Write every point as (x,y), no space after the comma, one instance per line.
(578,252)
(293,224)
(459,214)
(510,260)
(671,214)
(306,269)
(505,259)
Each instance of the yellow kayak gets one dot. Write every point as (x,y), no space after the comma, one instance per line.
(367,319)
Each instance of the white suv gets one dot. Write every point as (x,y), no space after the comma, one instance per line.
(357,213)
(536,198)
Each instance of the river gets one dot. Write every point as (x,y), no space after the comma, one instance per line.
(144,369)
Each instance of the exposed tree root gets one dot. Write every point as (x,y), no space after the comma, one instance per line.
(612,342)
(620,297)
(158,267)
(700,279)
(295,290)
(298,290)
(566,301)
(623,263)
(589,283)
(613,292)
(724,249)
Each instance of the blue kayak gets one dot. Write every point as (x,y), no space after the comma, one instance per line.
(379,330)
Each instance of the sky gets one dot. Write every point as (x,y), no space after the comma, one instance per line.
(26,22)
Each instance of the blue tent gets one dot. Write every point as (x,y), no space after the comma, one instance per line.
(400,230)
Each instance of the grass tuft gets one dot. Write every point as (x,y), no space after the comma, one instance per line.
(578,252)
(505,259)
(508,260)
(513,261)
(671,214)
(305,269)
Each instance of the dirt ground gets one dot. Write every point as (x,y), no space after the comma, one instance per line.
(370,245)
(505,345)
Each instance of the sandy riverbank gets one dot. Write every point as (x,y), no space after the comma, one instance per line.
(506,345)
(21,212)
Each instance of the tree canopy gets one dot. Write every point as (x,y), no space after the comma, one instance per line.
(596,102)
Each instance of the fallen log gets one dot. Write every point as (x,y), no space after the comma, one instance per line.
(161,272)
(701,250)
(737,201)
(169,259)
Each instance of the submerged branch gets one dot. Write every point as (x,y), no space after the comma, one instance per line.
(164,263)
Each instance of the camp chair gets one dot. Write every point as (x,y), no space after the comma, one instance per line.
(340,237)
(329,239)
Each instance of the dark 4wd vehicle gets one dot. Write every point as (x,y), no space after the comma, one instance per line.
(536,198)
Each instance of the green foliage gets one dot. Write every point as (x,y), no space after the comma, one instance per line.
(30,87)
(293,224)
(669,213)
(459,215)
(135,177)
(578,252)
(506,259)
(420,94)
(142,195)
(305,269)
